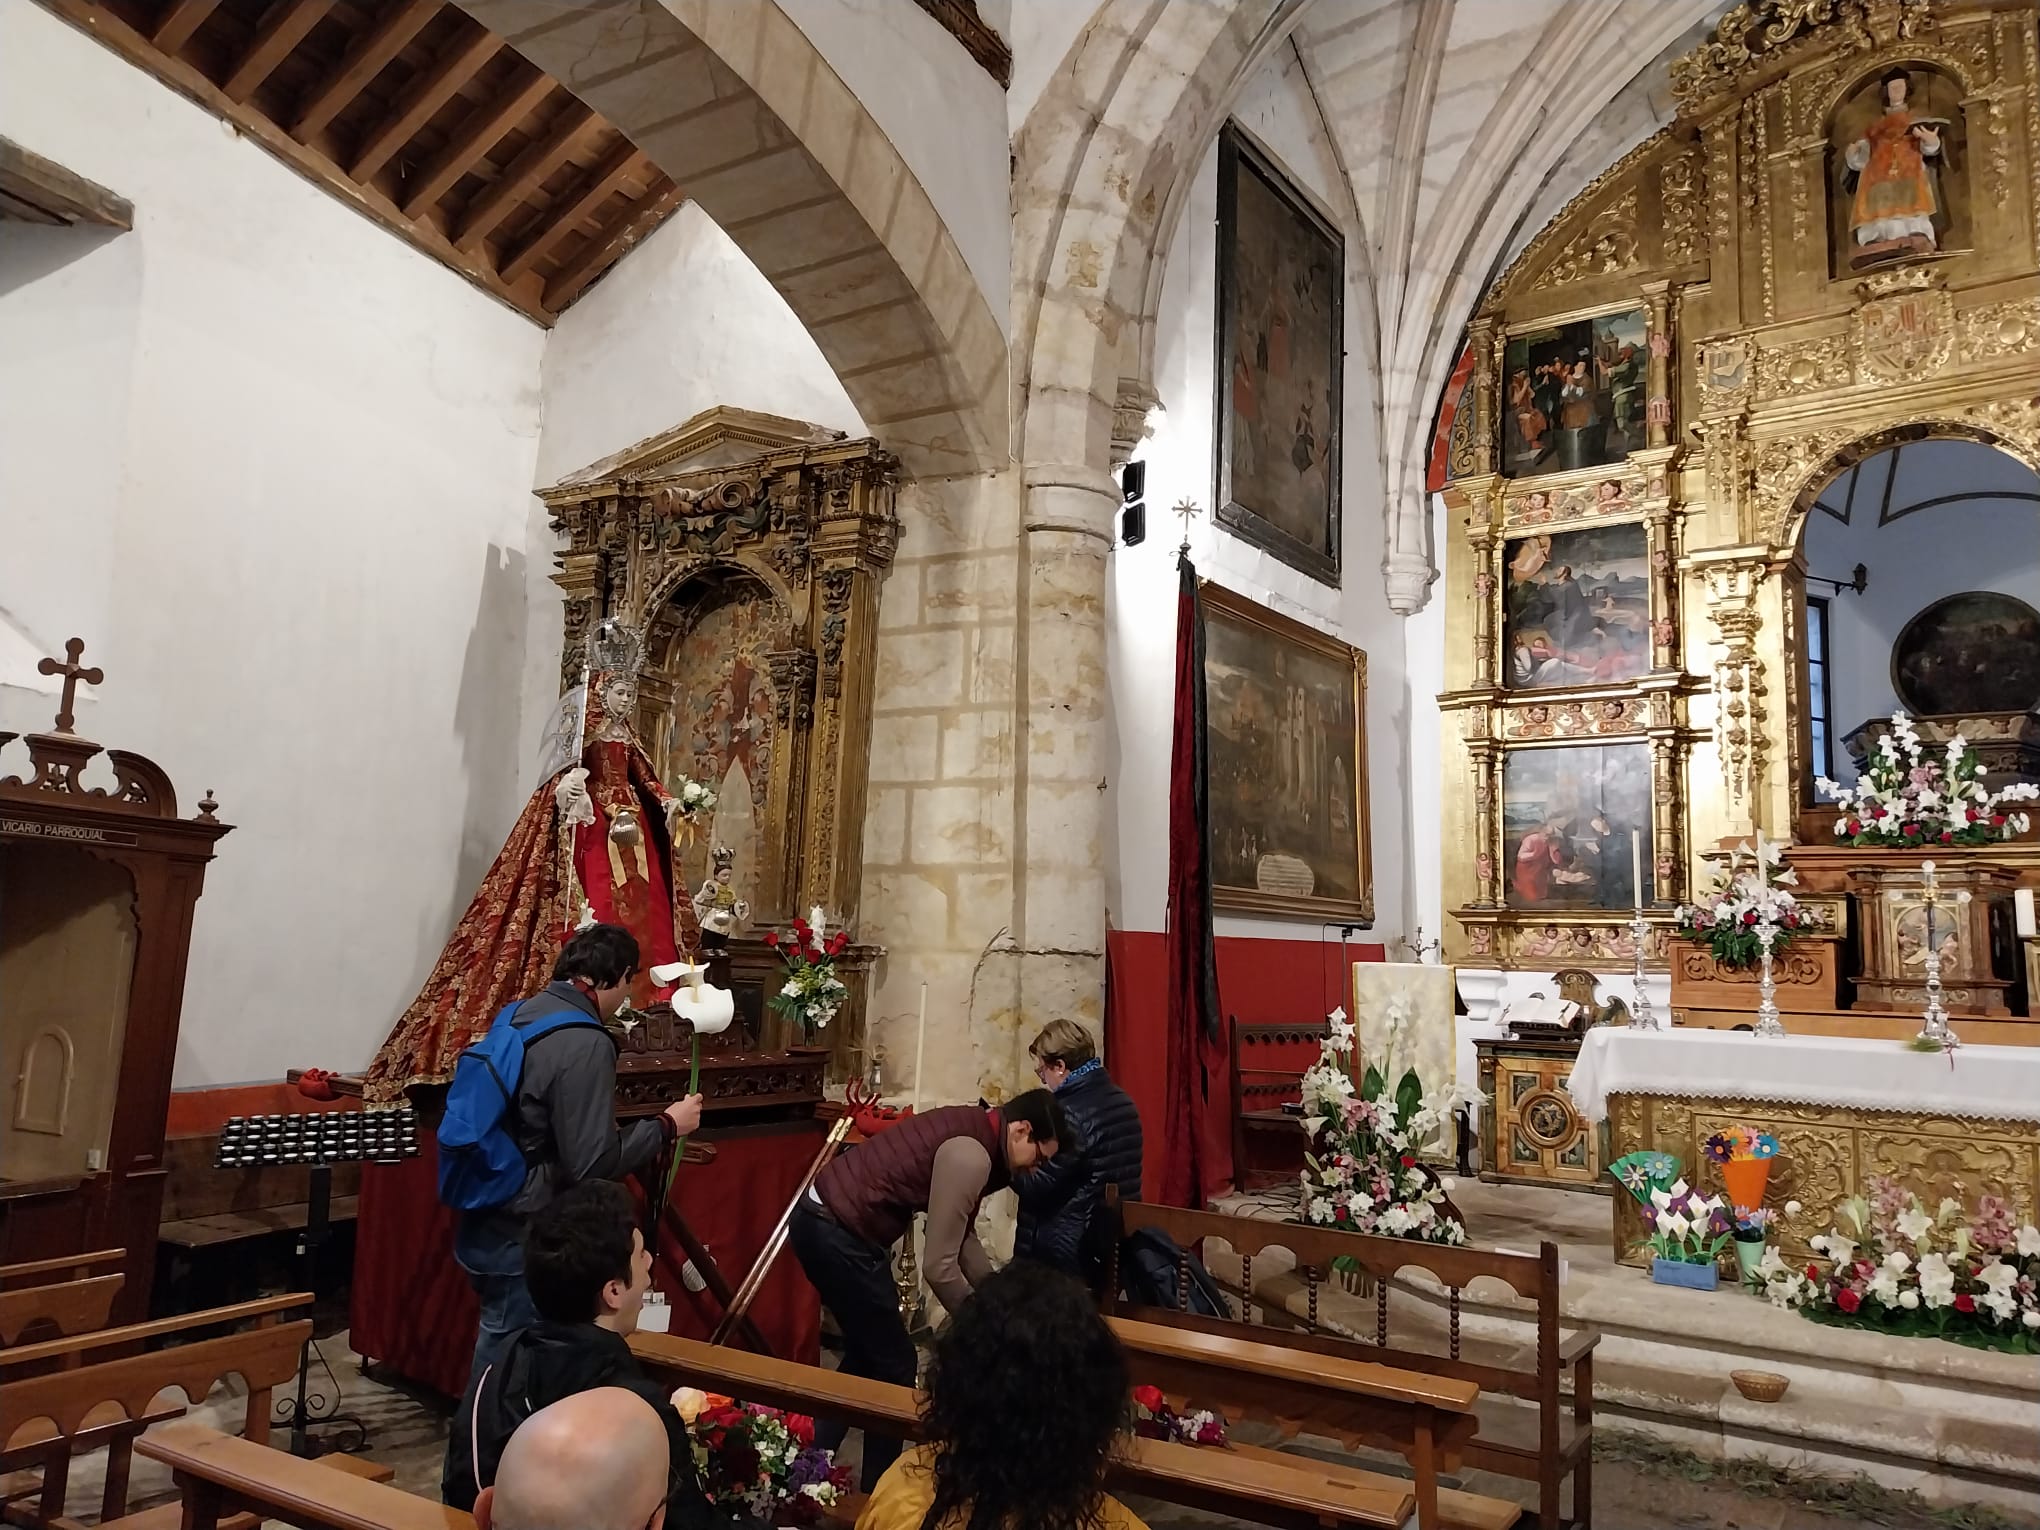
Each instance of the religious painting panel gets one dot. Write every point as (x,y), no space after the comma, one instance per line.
(1968,654)
(1895,188)
(1284,718)
(720,729)
(1568,815)
(1576,607)
(1573,394)
(1281,276)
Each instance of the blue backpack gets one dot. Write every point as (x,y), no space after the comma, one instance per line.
(480,1163)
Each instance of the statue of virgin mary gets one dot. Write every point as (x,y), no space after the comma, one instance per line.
(594,845)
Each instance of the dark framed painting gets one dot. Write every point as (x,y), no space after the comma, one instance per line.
(1576,607)
(1968,654)
(1285,734)
(1281,352)
(1573,394)
(1567,817)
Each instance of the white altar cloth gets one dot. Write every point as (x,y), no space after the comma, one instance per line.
(1996,1083)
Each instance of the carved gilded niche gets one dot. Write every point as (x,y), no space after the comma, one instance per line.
(750,550)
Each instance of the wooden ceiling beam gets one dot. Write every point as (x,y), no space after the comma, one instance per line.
(282,28)
(611,242)
(100,21)
(555,223)
(460,62)
(366,58)
(480,132)
(179,20)
(496,201)
(52,194)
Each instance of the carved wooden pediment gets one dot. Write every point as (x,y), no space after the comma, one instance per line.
(718,437)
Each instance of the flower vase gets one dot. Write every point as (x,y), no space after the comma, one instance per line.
(1705,1276)
(1768,1023)
(1749,1253)
(1744,1180)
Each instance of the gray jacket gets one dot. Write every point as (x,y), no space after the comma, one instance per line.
(566,1116)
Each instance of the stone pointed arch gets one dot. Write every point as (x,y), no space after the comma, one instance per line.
(1102,170)
(733,102)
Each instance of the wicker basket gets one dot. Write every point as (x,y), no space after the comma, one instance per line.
(1760,1386)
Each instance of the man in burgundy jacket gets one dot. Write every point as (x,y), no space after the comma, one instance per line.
(943,1163)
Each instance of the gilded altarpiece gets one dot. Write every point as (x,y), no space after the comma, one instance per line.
(750,551)
(1790,329)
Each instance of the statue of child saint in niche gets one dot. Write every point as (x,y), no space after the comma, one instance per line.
(717,906)
(1891,173)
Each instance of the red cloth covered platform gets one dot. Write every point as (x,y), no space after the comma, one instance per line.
(414,1312)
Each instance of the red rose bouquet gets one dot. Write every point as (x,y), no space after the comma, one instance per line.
(1154,1419)
(760,1462)
(812,993)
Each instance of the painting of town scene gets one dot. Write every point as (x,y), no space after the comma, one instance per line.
(1576,607)
(1567,817)
(1573,394)
(1281,270)
(1288,782)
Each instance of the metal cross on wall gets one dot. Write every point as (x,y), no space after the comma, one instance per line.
(73,672)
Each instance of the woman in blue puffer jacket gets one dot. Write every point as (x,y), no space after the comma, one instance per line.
(1062,1220)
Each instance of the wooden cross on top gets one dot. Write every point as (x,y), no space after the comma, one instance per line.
(73,672)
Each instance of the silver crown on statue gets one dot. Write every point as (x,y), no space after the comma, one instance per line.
(618,647)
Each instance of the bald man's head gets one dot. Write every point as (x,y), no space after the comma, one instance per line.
(593,1461)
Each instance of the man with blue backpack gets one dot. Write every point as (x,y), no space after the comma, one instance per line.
(531,1112)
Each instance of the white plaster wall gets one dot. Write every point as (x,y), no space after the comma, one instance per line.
(684,324)
(1914,561)
(292,456)
(942,111)
(1277,109)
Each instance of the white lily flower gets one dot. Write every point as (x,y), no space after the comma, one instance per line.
(1913,1223)
(1680,1188)
(1660,1198)
(2029,1241)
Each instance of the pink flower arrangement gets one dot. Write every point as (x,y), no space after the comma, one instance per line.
(1907,798)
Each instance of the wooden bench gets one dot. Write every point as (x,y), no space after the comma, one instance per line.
(1426,1419)
(1256,1487)
(48,1416)
(223,1480)
(70,1307)
(1561,1444)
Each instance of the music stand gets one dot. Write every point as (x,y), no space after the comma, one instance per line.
(318,1139)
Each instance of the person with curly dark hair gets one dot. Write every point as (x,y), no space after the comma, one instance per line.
(1026,1400)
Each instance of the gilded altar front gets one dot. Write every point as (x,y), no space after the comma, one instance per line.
(1659,387)
(1827,1157)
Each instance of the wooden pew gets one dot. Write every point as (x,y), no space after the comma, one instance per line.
(76,1266)
(1426,1419)
(1256,1487)
(70,1307)
(222,1479)
(48,1416)
(1563,1445)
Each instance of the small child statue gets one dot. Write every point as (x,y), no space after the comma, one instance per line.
(717,905)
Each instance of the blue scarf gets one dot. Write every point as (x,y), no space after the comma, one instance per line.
(1093,1066)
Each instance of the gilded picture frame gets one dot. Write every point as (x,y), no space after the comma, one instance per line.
(1280,363)
(1285,735)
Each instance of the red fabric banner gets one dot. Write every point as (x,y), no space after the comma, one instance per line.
(1196,1141)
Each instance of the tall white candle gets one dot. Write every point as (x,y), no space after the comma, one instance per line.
(1636,867)
(2022,901)
(920,1046)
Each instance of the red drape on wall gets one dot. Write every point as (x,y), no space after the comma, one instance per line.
(1264,981)
(413,1309)
(1196,1146)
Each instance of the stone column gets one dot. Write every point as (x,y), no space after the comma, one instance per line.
(1059,938)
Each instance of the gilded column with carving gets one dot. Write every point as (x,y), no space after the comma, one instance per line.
(1486,832)
(1658,393)
(1486,347)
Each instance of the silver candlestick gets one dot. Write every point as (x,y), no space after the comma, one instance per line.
(1936,1031)
(1768,1023)
(1644,1016)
